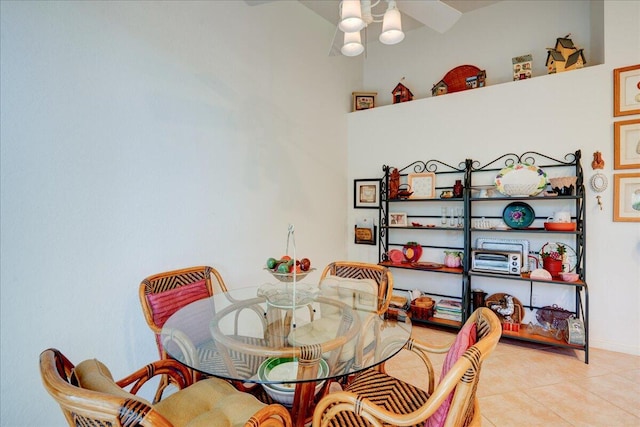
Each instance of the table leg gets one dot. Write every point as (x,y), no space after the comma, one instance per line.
(308,365)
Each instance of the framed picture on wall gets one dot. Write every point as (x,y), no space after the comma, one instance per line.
(626,90)
(626,197)
(364,100)
(626,149)
(366,193)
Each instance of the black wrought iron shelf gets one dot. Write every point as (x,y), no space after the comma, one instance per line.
(469,171)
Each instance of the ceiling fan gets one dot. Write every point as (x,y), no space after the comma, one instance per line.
(352,16)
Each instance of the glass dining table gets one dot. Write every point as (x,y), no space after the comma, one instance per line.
(291,339)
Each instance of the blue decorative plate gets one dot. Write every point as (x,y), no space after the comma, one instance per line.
(518,215)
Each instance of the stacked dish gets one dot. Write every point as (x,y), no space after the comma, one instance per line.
(280,370)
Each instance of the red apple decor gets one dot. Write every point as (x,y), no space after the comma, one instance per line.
(412,251)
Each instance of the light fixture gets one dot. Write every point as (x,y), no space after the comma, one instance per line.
(351,16)
(357,14)
(352,44)
(391,25)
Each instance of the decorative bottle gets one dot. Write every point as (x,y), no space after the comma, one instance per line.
(457,188)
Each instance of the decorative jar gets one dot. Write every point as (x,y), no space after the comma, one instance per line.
(453,259)
(412,251)
(457,188)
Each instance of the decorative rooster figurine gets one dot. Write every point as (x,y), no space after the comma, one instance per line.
(504,307)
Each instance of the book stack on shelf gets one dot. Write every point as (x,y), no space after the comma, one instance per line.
(448,309)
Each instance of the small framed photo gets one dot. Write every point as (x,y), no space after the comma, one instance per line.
(626,90)
(364,100)
(626,149)
(423,185)
(626,197)
(397,219)
(366,193)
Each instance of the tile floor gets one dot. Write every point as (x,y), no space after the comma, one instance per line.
(525,384)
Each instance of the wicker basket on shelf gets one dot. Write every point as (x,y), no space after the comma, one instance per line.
(422,308)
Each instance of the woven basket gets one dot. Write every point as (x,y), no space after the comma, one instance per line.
(422,308)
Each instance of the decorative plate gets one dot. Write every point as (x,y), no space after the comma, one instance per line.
(518,215)
(396,256)
(570,258)
(427,265)
(522,174)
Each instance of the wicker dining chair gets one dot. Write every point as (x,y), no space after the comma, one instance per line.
(375,398)
(89,396)
(162,294)
(363,279)
(359,270)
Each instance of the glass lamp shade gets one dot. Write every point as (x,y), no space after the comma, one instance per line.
(391,27)
(352,44)
(351,16)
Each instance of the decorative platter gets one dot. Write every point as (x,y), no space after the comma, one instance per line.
(518,215)
(569,260)
(396,256)
(522,174)
(427,265)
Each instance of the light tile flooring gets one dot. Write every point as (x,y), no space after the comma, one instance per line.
(524,384)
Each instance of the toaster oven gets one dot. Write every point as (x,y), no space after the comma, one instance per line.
(503,262)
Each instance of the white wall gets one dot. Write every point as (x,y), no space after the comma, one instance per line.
(139,137)
(551,114)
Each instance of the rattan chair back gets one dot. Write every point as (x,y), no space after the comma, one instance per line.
(402,404)
(360,270)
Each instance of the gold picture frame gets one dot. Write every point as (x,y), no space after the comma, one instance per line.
(626,90)
(626,148)
(626,197)
(364,100)
(423,185)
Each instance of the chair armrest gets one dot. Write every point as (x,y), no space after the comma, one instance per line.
(419,349)
(274,415)
(178,374)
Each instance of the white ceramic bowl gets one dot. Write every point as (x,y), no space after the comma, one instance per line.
(520,189)
(283,369)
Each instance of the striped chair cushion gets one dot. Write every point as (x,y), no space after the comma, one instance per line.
(384,390)
(164,304)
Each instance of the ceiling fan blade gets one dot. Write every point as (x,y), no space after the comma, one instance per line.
(432,13)
(257,2)
(336,43)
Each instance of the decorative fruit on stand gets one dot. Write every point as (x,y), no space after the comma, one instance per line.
(283,268)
